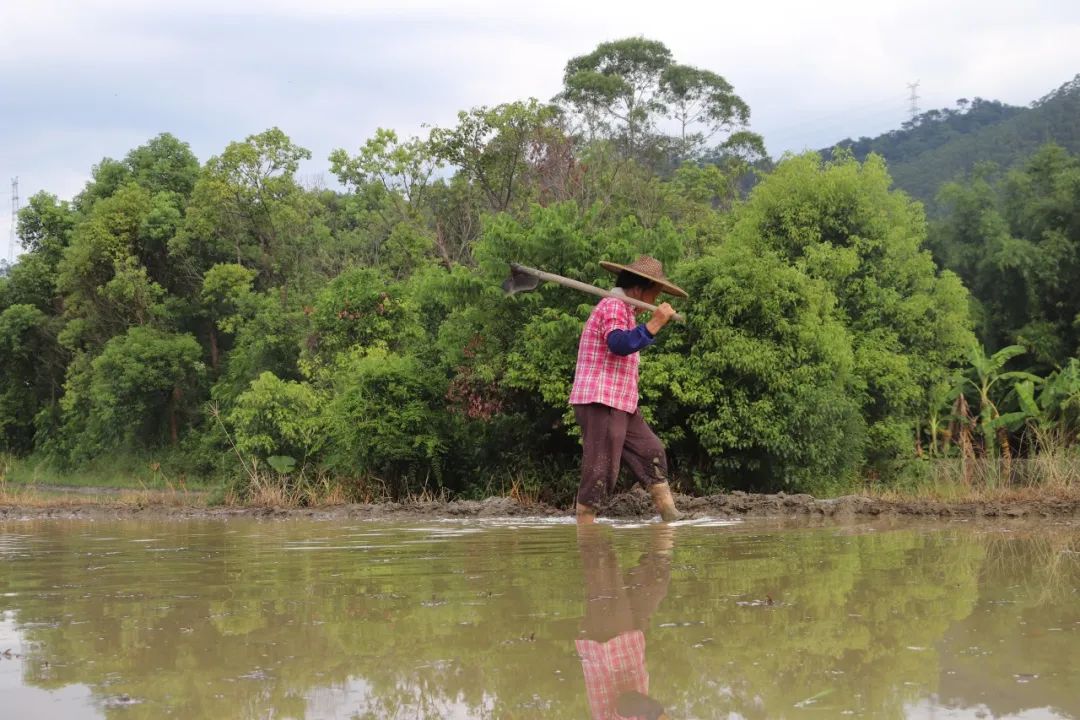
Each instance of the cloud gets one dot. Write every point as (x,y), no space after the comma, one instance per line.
(94,78)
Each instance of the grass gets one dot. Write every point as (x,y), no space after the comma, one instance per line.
(122,470)
(546,484)
(266,488)
(1050,472)
(35,496)
(1046,476)
(133,480)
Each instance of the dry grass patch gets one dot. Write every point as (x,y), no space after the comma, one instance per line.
(299,489)
(1044,477)
(521,492)
(33,497)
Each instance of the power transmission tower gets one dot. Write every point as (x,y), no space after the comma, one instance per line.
(14,215)
(913,99)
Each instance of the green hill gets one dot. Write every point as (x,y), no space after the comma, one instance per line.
(941,145)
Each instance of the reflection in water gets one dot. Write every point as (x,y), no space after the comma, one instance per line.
(324,620)
(618,606)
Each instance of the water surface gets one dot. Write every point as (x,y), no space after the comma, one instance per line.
(320,619)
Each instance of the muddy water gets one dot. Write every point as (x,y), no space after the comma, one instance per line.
(306,619)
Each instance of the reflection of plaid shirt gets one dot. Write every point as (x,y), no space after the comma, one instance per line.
(612,668)
(602,376)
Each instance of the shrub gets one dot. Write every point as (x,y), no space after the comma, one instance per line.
(276,417)
(385,418)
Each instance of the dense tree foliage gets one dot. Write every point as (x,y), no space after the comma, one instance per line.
(217,316)
(628,90)
(939,146)
(1014,238)
(931,130)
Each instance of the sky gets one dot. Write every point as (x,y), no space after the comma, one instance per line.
(85,79)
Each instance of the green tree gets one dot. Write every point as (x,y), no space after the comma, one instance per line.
(1012,239)
(45,226)
(384,420)
(105,286)
(616,88)
(697,98)
(361,309)
(623,89)
(248,208)
(139,392)
(31,281)
(33,365)
(386,217)
(275,417)
(106,178)
(841,223)
(401,170)
(269,330)
(497,147)
(760,390)
(974,240)
(228,300)
(164,164)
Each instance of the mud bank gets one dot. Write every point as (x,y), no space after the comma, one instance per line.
(633,504)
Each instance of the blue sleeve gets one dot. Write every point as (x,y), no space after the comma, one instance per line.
(627,342)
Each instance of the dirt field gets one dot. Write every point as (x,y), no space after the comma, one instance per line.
(627,505)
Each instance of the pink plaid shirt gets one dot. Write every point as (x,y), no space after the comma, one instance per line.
(601,375)
(612,668)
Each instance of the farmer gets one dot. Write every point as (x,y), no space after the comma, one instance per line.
(605,392)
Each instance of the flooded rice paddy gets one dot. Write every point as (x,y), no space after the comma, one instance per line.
(531,619)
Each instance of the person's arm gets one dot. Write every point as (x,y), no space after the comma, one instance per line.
(627,342)
(660,317)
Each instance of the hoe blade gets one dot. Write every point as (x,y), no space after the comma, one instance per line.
(519,281)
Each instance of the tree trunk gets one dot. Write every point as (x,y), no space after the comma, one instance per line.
(213,346)
(967,456)
(174,402)
(440,245)
(964,424)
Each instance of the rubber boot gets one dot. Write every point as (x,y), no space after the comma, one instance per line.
(664,503)
(585,514)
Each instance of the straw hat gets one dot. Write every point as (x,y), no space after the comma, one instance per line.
(649,268)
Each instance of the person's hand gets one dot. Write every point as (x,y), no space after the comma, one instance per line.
(660,317)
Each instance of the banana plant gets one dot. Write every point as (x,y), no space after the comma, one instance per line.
(940,399)
(1025,395)
(985,373)
(1057,405)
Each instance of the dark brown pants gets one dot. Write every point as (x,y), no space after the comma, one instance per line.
(608,436)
